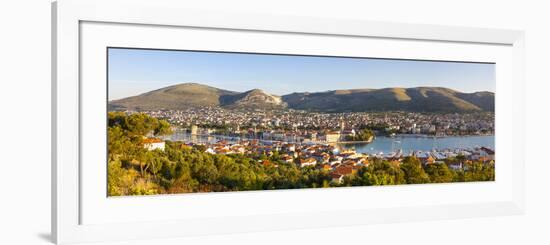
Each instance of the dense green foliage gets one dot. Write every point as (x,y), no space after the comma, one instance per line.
(362,135)
(134,170)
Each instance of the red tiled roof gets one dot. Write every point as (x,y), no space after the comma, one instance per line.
(343,170)
(307,160)
(151,140)
(335,175)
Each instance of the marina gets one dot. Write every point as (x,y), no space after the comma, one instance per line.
(406,144)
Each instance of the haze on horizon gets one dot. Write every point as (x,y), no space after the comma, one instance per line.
(136,71)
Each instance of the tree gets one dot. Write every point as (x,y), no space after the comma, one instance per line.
(477,171)
(138,124)
(439,173)
(163,128)
(362,135)
(201,148)
(382,172)
(414,173)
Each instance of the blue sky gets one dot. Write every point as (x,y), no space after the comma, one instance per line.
(135,71)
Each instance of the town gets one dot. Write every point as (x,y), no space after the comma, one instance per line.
(308,139)
(178,159)
(338,162)
(303,126)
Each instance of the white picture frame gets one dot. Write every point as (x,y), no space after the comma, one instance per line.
(67,172)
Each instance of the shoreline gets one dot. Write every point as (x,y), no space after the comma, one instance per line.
(433,136)
(346,142)
(398,136)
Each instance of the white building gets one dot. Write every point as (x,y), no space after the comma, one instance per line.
(308,162)
(153,144)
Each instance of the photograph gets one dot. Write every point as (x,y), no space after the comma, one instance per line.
(195,121)
(275,122)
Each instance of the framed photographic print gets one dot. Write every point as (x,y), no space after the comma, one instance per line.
(235,122)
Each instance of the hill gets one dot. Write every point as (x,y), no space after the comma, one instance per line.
(176,97)
(257,99)
(418,99)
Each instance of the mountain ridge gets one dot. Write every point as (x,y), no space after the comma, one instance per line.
(416,99)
